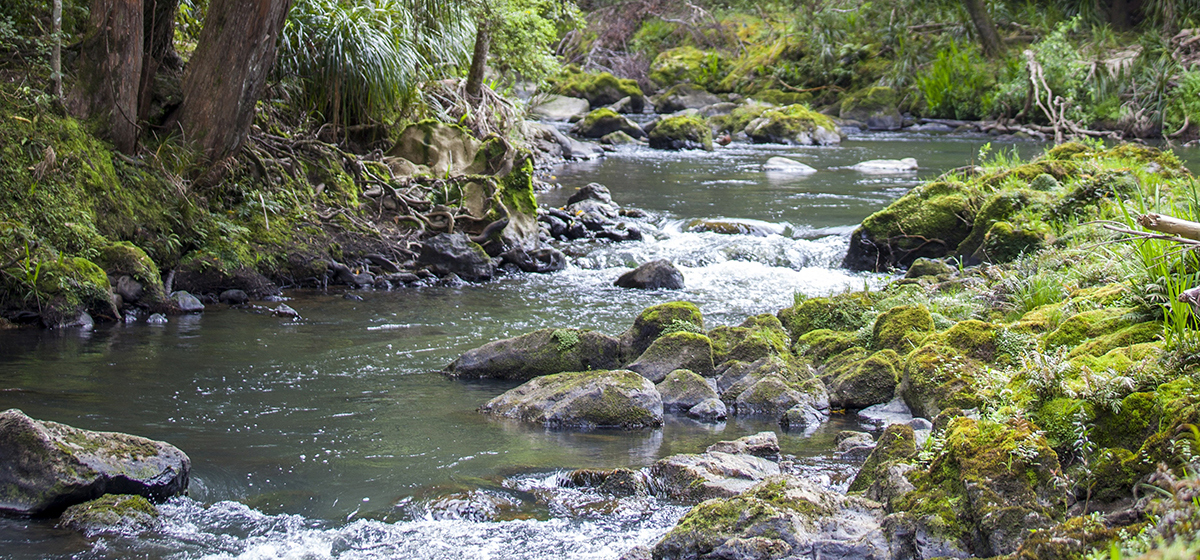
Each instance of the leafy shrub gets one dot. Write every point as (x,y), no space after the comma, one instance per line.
(958,85)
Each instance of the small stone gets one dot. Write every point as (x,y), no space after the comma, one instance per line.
(186,303)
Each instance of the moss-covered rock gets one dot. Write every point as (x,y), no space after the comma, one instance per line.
(931,221)
(682,97)
(1131,424)
(604,121)
(601,89)
(897,444)
(69,286)
(844,312)
(1132,335)
(681,132)
(858,383)
(876,107)
(111,514)
(1088,324)
(1114,472)
(541,352)
(795,125)
(583,400)
(757,337)
(771,395)
(936,378)
(740,376)
(923,267)
(656,320)
(682,389)
(820,344)
(50,466)
(990,486)
(1000,206)
(688,64)
(678,350)
(1062,419)
(1005,242)
(977,340)
(902,328)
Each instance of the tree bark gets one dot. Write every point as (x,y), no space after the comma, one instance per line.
(226,74)
(989,39)
(56,49)
(110,67)
(483,43)
(158,44)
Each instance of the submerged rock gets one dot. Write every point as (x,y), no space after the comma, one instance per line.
(588,399)
(541,352)
(46,466)
(654,275)
(785,165)
(709,410)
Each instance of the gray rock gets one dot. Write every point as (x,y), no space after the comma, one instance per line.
(560,108)
(679,350)
(550,141)
(854,445)
(542,260)
(803,418)
(616,482)
(717,109)
(185,302)
(913,536)
(790,166)
(782,516)
(46,467)
(233,297)
(541,352)
(654,275)
(637,553)
(709,410)
(892,412)
(584,400)
(762,444)
(284,310)
(592,191)
(618,138)
(886,166)
(683,389)
(598,125)
(454,253)
(129,289)
(701,477)
(770,396)
(111,515)
(682,97)
(801,386)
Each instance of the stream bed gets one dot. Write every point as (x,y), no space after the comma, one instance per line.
(332,436)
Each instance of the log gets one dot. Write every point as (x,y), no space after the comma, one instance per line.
(1170,225)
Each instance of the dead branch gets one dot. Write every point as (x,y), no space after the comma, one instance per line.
(1170,225)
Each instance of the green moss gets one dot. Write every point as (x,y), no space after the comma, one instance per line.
(1060,418)
(870,99)
(681,132)
(757,337)
(998,207)
(1136,419)
(1114,472)
(1088,324)
(1129,336)
(1044,182)
(567,339)
(790,123)
(516,188)
(737,119)
(820,344)
(599,89)
(937,378)
(902,328)
(896,445)
(652,321)
(598,115)
(688,64)
(976,339)
(931,221)
(846,312)
(111,512)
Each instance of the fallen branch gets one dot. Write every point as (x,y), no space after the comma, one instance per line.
(1170,225)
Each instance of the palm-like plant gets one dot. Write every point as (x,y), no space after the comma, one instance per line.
(357,61)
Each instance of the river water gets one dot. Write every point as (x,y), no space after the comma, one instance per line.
(332,436)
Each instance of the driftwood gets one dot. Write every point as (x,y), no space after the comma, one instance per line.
(1170,225)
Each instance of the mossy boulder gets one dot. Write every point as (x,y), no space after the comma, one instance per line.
(1077,537)
(977,340)
(757,337)
(678,350)
(455,253)
(780,517)
(583,400)
(601,89)
(126,259)
(1061,418)
(687,65)
(1133,335)
(112,515)
(681,132)
(604,121)
(771,395)
(542,352)
(1086,325)
(844,312)
(864,382)
(987,490)
(48,466)
(820,344)
(656,320)
(897,444)
(876,107)
(203,272)
(793,125)
(902,328)
(1005,241)
(441,149)
(69,286)
(1130,424)
(936,378)
(682,389)
(931,221)
(998,207)
(923,267)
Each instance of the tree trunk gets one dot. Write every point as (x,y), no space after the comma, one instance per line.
(227,73)
(483,43)
(988,37)
(56,49)
(110,67)
(157,45)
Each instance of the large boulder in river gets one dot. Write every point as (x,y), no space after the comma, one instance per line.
(781,517)
(656,320)
(678,350)
(542,352)
(455,253)
(681,132)
(602,122)
(654,275)
(560,108)
(46,466)
(602,89)
(585,399)
(930,221)
(684,96)
(793,124)
(716,473)
(683,389)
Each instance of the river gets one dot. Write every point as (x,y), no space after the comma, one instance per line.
(332,436)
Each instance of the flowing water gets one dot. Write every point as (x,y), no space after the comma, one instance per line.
(332,436)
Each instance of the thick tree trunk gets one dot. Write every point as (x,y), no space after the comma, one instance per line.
(110,67)
(56,49)
(157,45)
(227,73)
(483,43)
(989,39)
